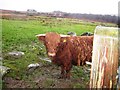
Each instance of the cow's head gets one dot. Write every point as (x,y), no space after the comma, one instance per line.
(51,41)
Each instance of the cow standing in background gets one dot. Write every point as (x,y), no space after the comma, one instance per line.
(87,34)
(71,33)
(65,50)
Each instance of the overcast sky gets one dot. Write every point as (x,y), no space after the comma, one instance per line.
(72,6)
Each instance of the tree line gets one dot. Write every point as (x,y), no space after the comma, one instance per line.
(101,18)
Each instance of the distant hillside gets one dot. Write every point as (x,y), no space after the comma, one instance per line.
(12,12)
(92,17)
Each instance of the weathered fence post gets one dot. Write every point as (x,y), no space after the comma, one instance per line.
(104,58)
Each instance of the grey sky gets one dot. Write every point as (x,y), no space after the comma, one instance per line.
(73,6)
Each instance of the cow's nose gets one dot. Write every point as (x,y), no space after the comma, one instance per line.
(51,54)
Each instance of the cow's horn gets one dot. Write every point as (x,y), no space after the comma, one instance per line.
(64,35)
(40,35)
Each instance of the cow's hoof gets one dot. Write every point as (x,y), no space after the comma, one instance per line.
(67,77)
(61,77)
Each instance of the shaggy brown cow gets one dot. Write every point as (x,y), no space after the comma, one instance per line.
(66,51)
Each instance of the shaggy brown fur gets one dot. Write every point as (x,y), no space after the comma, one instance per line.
(73,50)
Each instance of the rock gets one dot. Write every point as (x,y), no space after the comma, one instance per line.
(3,70)
(71,33)
(45,59)
(33,65)
(16,54)
(1,58)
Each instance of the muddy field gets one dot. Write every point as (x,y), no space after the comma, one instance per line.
(47,76)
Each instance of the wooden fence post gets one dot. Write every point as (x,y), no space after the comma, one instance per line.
(104,58)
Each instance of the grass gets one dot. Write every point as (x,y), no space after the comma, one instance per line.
(19,35)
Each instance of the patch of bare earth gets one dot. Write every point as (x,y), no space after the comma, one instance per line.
(46,76)
(12,83)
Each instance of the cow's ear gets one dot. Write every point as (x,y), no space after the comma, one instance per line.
(41,37)
(64,38)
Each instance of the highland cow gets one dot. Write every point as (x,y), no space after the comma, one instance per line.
(65,50)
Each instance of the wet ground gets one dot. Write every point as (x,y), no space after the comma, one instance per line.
(47,76)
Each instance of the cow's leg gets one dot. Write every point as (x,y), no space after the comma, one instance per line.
(68,71)
(62,72)
(83,62)
(68,74)
(78,61)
